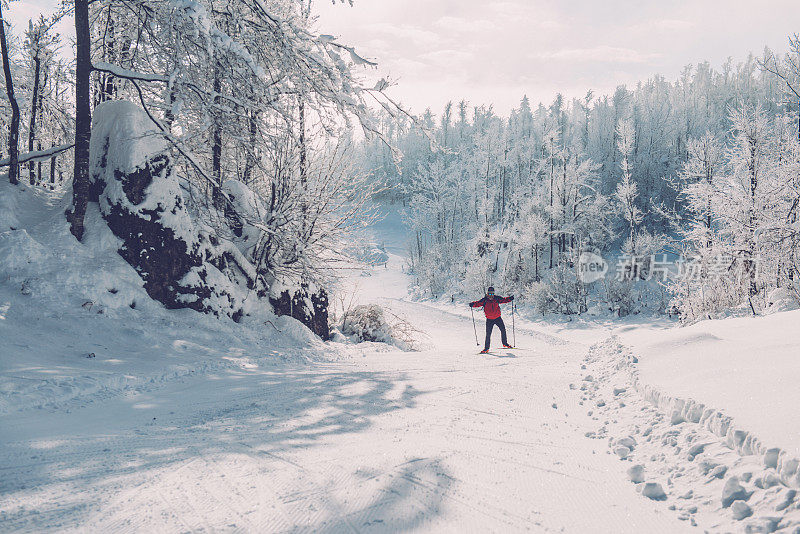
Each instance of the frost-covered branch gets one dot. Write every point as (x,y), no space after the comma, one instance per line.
(38,155)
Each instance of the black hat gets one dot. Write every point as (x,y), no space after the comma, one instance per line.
(490,290)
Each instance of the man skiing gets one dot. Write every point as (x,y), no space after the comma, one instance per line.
(491,308)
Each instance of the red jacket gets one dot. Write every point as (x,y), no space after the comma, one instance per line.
(491,307)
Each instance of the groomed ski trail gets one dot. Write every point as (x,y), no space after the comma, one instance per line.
(441,440)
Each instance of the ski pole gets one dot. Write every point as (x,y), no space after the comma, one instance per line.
(475,328)
(513,324)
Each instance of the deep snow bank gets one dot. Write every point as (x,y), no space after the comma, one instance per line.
(76,323)
(710,470)
(748,367)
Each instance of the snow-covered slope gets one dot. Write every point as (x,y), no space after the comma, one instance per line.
(749,367)
(384,280)
(209,425)
(708,413)
(76,323)
(713,471)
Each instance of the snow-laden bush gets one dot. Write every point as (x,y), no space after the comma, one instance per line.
(643,247)
(712,284)
(560,292)
(781,299)
(567,292)
(626,297)
(369,322)
(619,295)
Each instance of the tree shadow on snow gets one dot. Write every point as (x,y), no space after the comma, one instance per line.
(72,480)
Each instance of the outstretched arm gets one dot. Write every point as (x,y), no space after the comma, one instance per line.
(503,300)
(476,304)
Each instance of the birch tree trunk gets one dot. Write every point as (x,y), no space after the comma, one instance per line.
(37,67)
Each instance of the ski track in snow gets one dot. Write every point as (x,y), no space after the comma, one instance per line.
(438,440)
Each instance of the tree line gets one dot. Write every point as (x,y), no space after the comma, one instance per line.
(704,166)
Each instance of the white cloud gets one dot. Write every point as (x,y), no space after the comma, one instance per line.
(448,58)
(378,46)
(603,54)
(408,69)
(496,51)
(525,16)
(551,25)
(663,26)
(462,25)
(411,34)
(512,10)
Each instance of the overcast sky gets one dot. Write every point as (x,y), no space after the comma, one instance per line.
(497,51)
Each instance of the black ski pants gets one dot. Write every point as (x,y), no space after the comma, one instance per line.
(489,325)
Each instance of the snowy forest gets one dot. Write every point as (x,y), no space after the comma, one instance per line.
(213,138)
(703,168)
(250,117)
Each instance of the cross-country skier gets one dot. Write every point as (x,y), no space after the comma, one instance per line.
(491,308)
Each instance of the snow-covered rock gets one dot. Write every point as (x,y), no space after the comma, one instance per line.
(740,510)
(307,304)
(733,491)
(636,473)
(653,490)
(132,178)
(76,324)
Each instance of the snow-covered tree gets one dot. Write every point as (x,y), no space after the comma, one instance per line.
(750,161)
(39,48)
(13,129)
(627,192)
(700,188)
(508,200)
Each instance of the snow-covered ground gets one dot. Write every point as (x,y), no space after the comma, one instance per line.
(76,323)
(181,422)
(750,367)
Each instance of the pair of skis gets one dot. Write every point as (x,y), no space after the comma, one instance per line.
(501,348)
